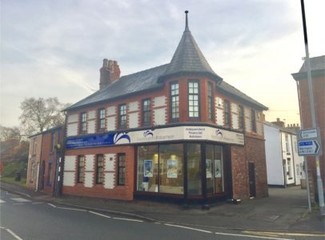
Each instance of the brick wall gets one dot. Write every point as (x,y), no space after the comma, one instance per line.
(101,190)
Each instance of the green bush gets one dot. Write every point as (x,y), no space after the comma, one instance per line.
(11,168)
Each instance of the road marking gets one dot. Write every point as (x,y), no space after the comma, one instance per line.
(251,236)
(67,208)
(1,201)
(99,214)
(12,233)
(20,200)
(36,203)
(288,234)
(127,219)
(188,228)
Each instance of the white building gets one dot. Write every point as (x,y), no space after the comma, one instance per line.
(284,165)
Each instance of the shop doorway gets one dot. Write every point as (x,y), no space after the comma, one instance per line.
(251,177)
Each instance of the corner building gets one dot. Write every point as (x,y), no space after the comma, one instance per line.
(174,132)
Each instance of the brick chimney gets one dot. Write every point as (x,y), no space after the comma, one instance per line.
(279,123)
(109,72)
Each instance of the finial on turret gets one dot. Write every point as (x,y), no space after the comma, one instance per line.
(186,20)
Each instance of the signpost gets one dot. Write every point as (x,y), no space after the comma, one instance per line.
(309,143)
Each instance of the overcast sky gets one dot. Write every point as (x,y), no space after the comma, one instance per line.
(55,48)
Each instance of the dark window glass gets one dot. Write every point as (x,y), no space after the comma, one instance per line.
(253,118)
(146,112)
(226,110)
(241,117)
(83,123)
(121,169)
(210,101)
(101,119)
(81,169)
(99,169)
(122,116)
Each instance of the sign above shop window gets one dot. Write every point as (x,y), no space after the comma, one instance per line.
(156,135)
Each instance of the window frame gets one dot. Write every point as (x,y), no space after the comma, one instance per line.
(122,116)
(241,117)
(193,94)
(100,169)
(174,102)
(227,113)
(253,120)
(101,119)
(211,110)
(83,122)
(146,112)
(121,169)
(81,165)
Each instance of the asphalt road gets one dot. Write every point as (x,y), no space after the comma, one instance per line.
(23,218)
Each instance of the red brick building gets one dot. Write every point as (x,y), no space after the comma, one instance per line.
(44,157)
(317,65)
(175,131)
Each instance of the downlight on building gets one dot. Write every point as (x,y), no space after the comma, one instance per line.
(174,132)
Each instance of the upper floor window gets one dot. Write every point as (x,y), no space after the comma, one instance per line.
(210,101)
(253,120)
(101,119)
(99,169)
(174,96)
(121,169)
(226,112)
(83,122)
(193,99)
(146,112)
(81,169)
(122,116)
(52,141)
(241,117)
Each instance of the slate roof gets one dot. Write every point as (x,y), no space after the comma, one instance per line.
(187,59)
(316,63)
(134,83)
(228,89)
(317,67)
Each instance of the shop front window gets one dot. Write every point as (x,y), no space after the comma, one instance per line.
(147,168)
(194,186)
(214,169)
(160,169)
(171,169)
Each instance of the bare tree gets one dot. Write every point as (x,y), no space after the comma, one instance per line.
(7,133)
(41,114)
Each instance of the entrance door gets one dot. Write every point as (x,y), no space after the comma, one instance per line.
(251,176)
(42,174)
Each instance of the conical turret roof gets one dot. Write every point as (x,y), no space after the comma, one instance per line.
(188,58)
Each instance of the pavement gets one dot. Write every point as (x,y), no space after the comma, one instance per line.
(285,211)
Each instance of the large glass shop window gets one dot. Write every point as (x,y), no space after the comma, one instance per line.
(160,170)
(214,167)
(194,186)
(171,169)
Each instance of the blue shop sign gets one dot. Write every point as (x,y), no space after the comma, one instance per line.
(98,140)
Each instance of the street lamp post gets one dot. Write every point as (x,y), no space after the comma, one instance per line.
(312,110)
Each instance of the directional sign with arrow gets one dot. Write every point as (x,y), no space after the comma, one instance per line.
(308,147)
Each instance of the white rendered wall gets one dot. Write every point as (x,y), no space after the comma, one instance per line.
(273,153)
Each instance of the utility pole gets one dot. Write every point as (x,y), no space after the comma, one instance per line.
(312,111)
